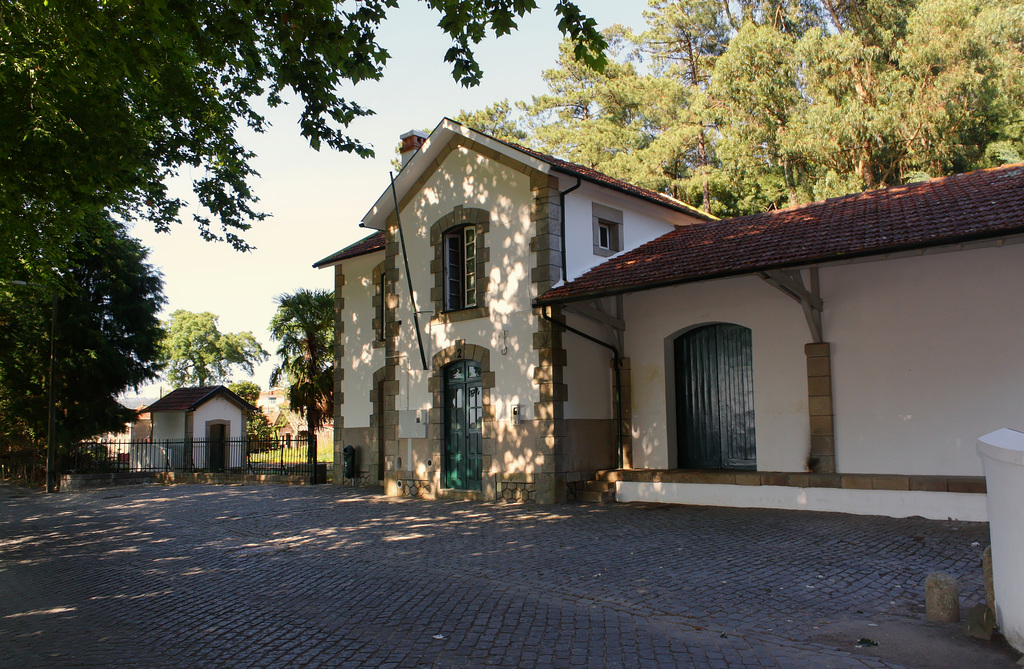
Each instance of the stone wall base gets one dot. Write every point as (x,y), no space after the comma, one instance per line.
(77,482)
(541,488)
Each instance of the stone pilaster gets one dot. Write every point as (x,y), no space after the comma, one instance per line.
(822,459)
(392,329)
(339,367)
(549,411)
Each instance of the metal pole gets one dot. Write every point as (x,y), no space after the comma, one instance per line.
(51,426)
(312,455)
(408,275)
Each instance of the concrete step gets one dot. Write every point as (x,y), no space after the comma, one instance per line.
(599,486)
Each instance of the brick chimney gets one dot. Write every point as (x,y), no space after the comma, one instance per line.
(411,143)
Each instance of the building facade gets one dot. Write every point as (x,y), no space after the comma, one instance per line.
(449,381)
(516,325)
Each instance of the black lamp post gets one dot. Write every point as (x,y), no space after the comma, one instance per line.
(51,421)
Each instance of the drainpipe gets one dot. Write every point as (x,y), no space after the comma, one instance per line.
(561,216)
(408,276)
(617,380)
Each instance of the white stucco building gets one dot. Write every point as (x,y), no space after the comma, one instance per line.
(521,324)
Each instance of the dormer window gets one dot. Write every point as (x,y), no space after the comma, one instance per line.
(607,230)
(460,268)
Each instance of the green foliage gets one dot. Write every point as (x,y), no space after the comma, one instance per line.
(597,119)
(247,390)
(258,425)
(495,120)
(107,339)
(196,353)
(303,326)
(744,106)
(101,102)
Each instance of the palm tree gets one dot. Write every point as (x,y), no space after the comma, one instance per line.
(304,328)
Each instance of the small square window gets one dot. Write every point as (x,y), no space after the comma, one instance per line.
(607,230)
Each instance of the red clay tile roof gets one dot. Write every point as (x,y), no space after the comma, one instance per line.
(966,207)
(374,242)
(590,174)
(187,399)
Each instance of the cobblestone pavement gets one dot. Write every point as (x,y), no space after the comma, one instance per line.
(218,576)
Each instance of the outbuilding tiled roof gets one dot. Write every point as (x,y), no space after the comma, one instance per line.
(962,208)
(374,242)
(188,399)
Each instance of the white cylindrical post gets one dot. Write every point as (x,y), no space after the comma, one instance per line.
(1002,455)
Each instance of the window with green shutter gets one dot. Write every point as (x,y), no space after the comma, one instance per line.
(460,268)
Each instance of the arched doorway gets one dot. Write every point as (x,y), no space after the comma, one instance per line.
(463,422)
(217,434)
(714,384)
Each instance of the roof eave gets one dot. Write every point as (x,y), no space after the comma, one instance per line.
(330,261)
(676,206)
(407,177)
(540,302)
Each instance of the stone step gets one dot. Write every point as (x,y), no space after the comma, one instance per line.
(599,486)
(595,497)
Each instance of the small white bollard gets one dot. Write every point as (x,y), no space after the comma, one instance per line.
(1002,455)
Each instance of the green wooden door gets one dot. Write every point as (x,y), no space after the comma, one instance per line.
(715,398)
(463,419)
(215,445)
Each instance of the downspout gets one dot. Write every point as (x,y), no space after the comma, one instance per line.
(561,216)
(408,276)
(617,380)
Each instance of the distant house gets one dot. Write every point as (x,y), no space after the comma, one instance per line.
(273,398)
(288,424)
(209,417)
(138,429)
(142,428)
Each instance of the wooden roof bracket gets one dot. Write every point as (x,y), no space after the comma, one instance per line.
(615,324)
(791,283)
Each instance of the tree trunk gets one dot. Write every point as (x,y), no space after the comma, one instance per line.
(703,152)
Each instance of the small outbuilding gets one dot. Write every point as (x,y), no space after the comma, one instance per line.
(210,418)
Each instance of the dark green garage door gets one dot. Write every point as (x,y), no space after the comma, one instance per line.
(715,398)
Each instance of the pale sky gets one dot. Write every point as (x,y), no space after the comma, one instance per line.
(318,199)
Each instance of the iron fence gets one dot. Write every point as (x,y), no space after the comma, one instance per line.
(263,456)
